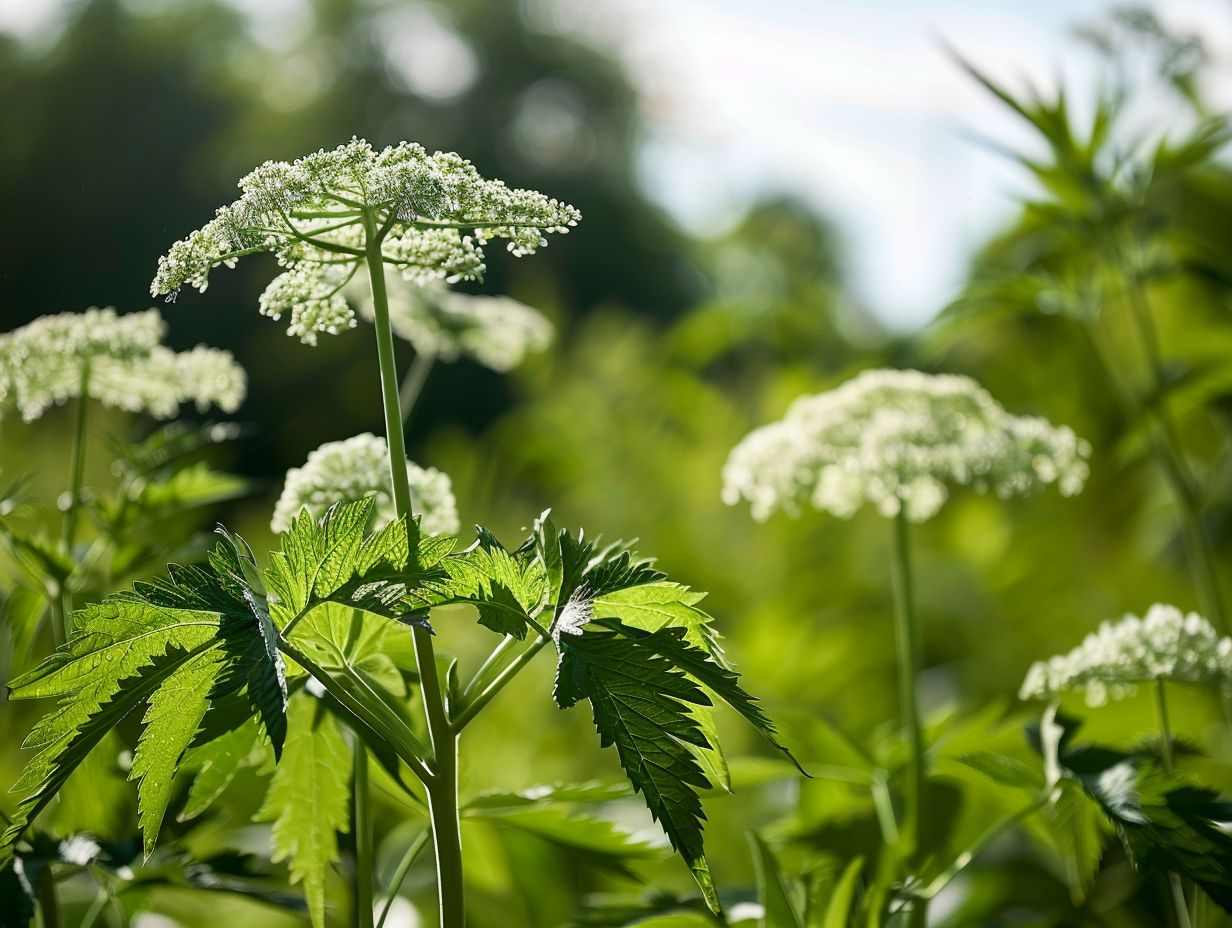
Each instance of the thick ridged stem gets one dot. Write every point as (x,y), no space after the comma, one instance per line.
(62,606)
(365,859)
(443,789)
(910,659)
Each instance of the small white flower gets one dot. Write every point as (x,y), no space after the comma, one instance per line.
(495,331)
(356,468)
(577,613)
(1165,644)
(897,440)
(435,210)
(120,361)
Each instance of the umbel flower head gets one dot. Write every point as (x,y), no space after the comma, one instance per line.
(899,439)
(428,217)
(496,331)
(356,468)
(115,359)
(1165,644)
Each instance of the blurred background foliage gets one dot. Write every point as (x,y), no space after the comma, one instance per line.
(130,127)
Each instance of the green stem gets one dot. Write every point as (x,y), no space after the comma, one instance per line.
(49,905)
(474,706)
(884,806)
(366,709)
(1168,450)
(404,867)
(96,908)
(963,860)
(907,634)
(443,788)
(1165,731)
(413,383)
(480,679)
(364,857)
(62,618)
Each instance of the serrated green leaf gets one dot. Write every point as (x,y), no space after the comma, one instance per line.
(550,795)
(652,606)
(308,800)
(333,560)
(671,643)
(640,704)
(72,742)
(505,588)
(1007,771)
(172,715)
(600,571)
(1167,824)
(42,559)
(547,551)
(216,762)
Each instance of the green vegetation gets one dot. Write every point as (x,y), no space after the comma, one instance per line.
(341,708)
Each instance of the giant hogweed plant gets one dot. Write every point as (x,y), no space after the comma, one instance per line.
(230,654)
(898,440)
(102,358)
(1103,224)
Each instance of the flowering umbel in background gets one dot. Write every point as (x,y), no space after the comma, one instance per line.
(899,439)
(356,468)
(495,331)
(117,360)
(1110,663)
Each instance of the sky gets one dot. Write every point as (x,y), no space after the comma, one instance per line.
(853,105)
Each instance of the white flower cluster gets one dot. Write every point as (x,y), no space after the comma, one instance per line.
(435,212)
(496,331)
(1165,644)
(898,439)
(120,362)
(343,471)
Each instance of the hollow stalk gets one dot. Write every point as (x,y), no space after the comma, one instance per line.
(1167,446)
(62,611)
(364,857)
(442,789)
(1165,732)
(907,634)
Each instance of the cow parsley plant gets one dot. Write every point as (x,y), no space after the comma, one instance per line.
(357,468)
(898,439)
(117,360)
(427,216)
(1163,645)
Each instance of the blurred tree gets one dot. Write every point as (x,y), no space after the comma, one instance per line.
(167,101)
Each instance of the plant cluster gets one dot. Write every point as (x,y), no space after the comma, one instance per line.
(309,677)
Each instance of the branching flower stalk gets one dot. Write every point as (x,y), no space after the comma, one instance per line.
(442,325)
(898,440)
(910,664)
(119,361)
(1167,445)
(326,217)
(1177,887)
(442,788)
